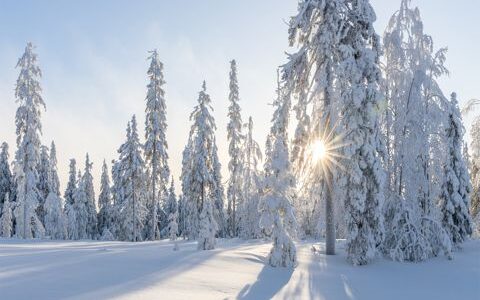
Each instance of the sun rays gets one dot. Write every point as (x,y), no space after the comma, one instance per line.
(324,152)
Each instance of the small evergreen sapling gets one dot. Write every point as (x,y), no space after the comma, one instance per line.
(156,156)
(235,166)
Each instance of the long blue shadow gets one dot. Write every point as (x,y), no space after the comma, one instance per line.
(269,282)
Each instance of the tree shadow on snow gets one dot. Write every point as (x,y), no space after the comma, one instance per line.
(329,276)
(269,282)
(105,272)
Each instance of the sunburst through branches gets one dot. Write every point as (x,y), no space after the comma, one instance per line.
(324,151)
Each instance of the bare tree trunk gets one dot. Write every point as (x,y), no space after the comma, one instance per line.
(329,209)
(234,224)
(330,218)
(134,212)
(154,200)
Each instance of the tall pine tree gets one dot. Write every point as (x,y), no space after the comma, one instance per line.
(80,211)
(132,208)
(156,157)
(201,170)
(235,138)
(310,76)
(360,83)
(55,220)
(90,196)
(29,129)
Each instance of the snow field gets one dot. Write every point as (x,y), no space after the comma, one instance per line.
(235,270)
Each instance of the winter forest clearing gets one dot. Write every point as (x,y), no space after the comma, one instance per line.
(366,186)
(234,270)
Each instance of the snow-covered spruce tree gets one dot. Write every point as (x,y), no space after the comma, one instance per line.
(132,208)
(80,210)
(235,139)
(359,81)
(413,123)
(72,183)
(201,178)
(455,196)
(189,208)
(54,219)
(87,179)
(43,171)
(29,129)
(54,182)
(277,214)
(171,205)
(6,177)
(6,219)
(156,157)
(310,76)
(69,207)
(250,219)
(105,205)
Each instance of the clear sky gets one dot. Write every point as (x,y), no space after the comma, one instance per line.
(93,57)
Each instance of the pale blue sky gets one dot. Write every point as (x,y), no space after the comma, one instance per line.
(93,56)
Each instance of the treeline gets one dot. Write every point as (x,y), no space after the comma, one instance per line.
(137,200)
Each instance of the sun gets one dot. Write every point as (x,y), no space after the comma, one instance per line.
(319,150)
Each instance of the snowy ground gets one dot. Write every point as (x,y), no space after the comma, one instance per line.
(235,270)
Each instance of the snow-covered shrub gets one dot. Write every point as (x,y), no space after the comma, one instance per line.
(411,237)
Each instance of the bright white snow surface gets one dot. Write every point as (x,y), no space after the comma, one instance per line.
(235,270)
